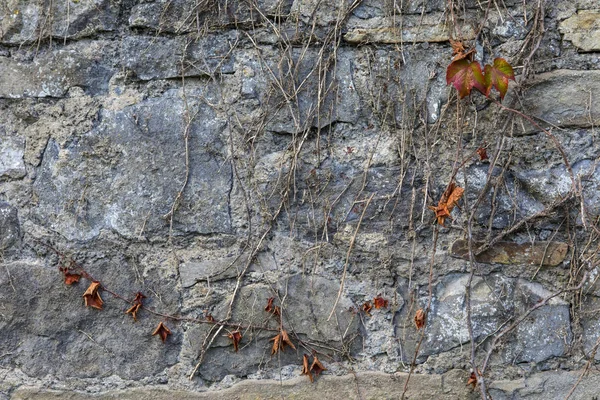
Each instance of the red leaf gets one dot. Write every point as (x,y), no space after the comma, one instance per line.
(380,302)
(92,297)
(162,331)
(497,76)
(465,75)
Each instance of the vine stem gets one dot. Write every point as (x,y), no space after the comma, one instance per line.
(85,274)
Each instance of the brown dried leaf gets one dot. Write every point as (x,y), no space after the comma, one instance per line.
(367,307)
(317,367)
(162,331)
(420,318)
(92,297)
(459,51)
(269,306)
(70,278)
(447,202)
(286,339)
(472,380)
(280,341)
(276,344)
(137,304)
(482,152)
(235,336)
(305,368)
(380,302)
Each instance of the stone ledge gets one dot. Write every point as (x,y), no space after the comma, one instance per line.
(364,385)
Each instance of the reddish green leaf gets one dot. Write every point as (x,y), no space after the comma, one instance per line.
(465,75)
(497,76)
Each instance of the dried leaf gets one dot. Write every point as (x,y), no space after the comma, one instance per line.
(269,306)
(472,380)
(497,76)
(280,341)
(162,331)
(380,302)
(286,339)
(306,368)
(275,310)
(420,318)
(367,307)
(137,304)
(465,75)
(457,47)
(235,336)
(317,367)
(70,278)
(459,50)
(447,202)
(92,297)
(482,152)
(276,344)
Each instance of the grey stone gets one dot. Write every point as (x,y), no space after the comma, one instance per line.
(533,254)
(583,29)
(52,74)
(546,333)
(339,102)
(181,16)
(415,28)
(562,98)
(211,270)
(125,174)
(152,57)
(48,331)
(9,226)
(308,303)
(12,149)
(26,22)
(591,326)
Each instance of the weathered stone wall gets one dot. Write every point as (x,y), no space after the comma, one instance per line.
(214,154)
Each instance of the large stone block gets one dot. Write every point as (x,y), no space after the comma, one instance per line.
(151,57)
(9,226)
(583,29)
(125,173)
(33,20)
(496,299)
(563,98)
(51,74)
(308,302)
(12,149)
(47,330)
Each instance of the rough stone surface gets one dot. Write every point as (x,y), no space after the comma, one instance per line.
(24,22)
(431,28)
(570,93)
(9,226)
(12,165)
(213,155)
(583,30)
(535,254)
(546,333)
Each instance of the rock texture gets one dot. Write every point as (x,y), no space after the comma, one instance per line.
(262,173)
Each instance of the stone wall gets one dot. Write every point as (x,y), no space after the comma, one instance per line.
(215,154)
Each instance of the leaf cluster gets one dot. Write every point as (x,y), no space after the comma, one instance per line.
(465,75)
